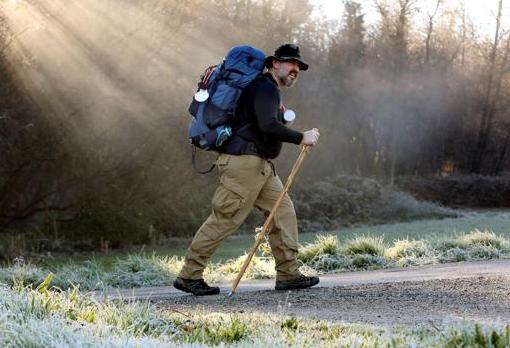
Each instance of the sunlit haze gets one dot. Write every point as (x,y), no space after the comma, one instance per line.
(481,13)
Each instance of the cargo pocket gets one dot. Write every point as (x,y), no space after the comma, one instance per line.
(227,202)
(231,194)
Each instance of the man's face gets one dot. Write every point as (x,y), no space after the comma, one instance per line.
(286,72)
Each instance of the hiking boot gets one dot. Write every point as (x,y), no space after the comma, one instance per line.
(196,287)
(301,282)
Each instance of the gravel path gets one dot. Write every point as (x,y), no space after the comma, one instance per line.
(483,299)
(432,295)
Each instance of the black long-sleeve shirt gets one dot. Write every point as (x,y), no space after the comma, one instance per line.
(256,120)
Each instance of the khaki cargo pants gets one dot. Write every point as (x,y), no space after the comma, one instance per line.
(246,181)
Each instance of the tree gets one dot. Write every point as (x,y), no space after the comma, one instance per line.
(491,94)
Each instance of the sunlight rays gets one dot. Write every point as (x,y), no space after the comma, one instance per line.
(106,59)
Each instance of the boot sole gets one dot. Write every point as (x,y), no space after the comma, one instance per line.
(188,290)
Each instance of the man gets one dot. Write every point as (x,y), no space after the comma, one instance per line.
(248,178)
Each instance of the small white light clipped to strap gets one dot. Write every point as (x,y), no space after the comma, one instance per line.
(202,95)
(289,116)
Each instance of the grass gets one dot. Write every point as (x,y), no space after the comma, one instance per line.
(325,245)
(41,310)
(406,248)
(367,245)
(326,254)
(433,229)
(47,316)
(394,245)
(498,222)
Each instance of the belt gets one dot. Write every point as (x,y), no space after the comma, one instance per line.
(251,149)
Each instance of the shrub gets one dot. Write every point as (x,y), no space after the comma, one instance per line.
(344,200)
(460,190)
(336,201)
(400,206)
(368,245)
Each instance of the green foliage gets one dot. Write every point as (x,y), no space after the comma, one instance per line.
(323,255)
(291,323)
(43,287)
(50,317)
(478,337)
(216,333)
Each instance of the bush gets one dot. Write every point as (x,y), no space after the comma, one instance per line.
(345,200)
(460,190)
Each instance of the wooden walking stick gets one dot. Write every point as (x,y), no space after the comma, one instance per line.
(262,231)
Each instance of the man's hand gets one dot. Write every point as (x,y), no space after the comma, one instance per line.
(310,137)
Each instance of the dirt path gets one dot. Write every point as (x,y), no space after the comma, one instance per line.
(432,295)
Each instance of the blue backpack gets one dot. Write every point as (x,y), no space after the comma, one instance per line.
(219,89)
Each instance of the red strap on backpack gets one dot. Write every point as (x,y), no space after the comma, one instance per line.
(203,84)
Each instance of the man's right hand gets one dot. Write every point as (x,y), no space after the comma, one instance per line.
(310,137)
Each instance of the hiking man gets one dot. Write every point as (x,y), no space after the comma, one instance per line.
(248,178)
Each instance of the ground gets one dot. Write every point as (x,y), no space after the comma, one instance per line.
(434,295)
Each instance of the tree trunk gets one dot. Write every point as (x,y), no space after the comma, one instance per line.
(488,106)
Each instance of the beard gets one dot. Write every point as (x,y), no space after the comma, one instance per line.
(287,79)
